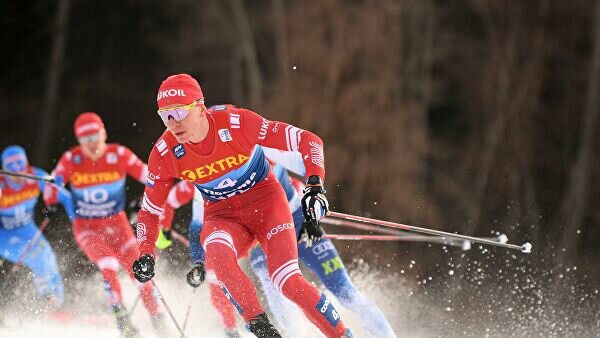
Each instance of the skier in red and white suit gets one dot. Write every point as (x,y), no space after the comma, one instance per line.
(218,150)
(96,172)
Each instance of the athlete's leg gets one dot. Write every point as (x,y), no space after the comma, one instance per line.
(277,237)
(223,242)
(39,258)
(47,278)
(286,313)
(223,306)
(324,260)
(96,248)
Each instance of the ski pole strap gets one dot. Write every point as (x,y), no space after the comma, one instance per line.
(525,247)
(49,179)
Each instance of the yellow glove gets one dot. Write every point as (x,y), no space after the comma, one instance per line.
(164,239)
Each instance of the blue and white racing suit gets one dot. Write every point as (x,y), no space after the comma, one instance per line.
(18,228)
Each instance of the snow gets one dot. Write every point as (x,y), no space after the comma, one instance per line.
(495,294)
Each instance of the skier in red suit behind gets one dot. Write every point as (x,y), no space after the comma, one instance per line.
(96,172)
(218,150)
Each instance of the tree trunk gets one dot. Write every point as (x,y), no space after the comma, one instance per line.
(281,46)
(574,203)
(55,70)
(255,82)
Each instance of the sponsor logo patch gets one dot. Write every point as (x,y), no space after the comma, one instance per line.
(224,135)
(169,93)
(279,228)
(179,150)
(111,158)
(328,311)
(140,230)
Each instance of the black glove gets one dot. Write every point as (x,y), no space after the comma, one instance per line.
(197,275)
(314,207)
(143,268)
(50,210)
(168,234)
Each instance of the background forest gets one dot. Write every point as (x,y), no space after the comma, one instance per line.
(474,116)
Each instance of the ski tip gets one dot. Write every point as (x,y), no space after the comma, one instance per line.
(526,247)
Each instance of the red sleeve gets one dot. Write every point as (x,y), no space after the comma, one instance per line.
(279,135)
(165,220)
(63,173)
(134,166)
(158,185)
(180,194)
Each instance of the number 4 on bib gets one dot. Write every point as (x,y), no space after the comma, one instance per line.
(226,183)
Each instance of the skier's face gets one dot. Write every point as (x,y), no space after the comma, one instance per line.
(93,145)
(191,128)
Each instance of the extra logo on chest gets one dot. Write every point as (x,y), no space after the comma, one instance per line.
(219,167)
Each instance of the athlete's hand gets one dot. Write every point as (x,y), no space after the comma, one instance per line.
(165,239)
(143,268)
(314,207)
(197,275)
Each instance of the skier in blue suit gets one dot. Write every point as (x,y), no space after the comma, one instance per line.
(20,240)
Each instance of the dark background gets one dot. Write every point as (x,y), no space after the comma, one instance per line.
(474,116)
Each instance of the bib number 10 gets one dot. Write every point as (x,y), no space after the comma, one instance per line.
(95,196)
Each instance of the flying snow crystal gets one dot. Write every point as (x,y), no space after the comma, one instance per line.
(294,67)
(451,272)
(134,124)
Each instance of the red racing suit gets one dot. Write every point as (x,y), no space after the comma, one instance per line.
(244,203)
(100,225)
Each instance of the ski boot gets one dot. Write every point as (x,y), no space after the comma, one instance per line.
(160,325)
(54,310)
(262,328)
(124,323)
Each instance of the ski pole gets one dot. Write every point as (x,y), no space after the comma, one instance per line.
(187,312)
(180,238)
(360,226)
(525,247)
(162,299)
(176,236)
(28,247)
(464,244)
(49,179)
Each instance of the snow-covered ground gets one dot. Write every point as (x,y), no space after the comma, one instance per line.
(93,318)
(473,300)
